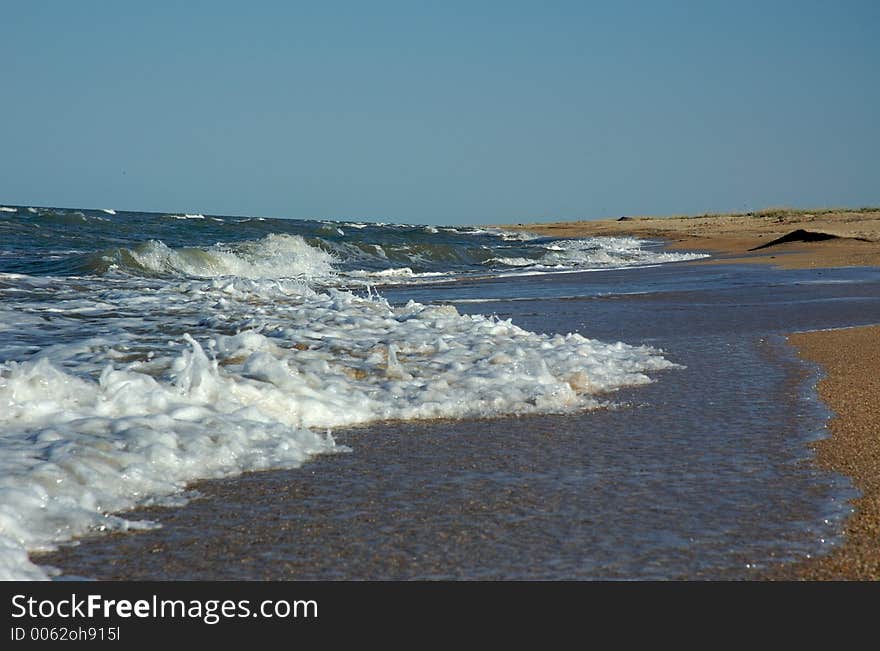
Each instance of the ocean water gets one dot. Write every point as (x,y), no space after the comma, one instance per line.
(142,352)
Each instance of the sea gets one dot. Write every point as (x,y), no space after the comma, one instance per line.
(425,401)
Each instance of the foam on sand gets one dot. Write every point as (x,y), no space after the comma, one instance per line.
(76,450)
(96,426)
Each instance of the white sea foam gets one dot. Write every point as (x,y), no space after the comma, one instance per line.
(95,423)
(513,236)
(512,262)
(395,275)
(76,450)
(109,211)
(391,272)
(597,253)
(8,209)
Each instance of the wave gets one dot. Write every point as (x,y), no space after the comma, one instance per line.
(187,245)
(274,256)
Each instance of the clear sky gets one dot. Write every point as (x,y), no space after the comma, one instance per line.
(440,112)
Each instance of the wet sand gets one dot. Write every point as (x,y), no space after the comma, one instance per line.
(851,388)
(856,240)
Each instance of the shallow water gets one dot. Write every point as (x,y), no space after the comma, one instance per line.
(704,473)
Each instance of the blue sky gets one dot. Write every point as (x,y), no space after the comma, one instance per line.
(453,112)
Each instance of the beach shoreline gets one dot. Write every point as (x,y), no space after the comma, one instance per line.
(815,239)
(848,356)
(187,549)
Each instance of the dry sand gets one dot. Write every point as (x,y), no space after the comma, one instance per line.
(855,241)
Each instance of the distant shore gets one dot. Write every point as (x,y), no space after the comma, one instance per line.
(817,238)
(850,357)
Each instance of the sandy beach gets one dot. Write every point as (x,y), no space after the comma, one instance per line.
(851,237)
(849,357)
